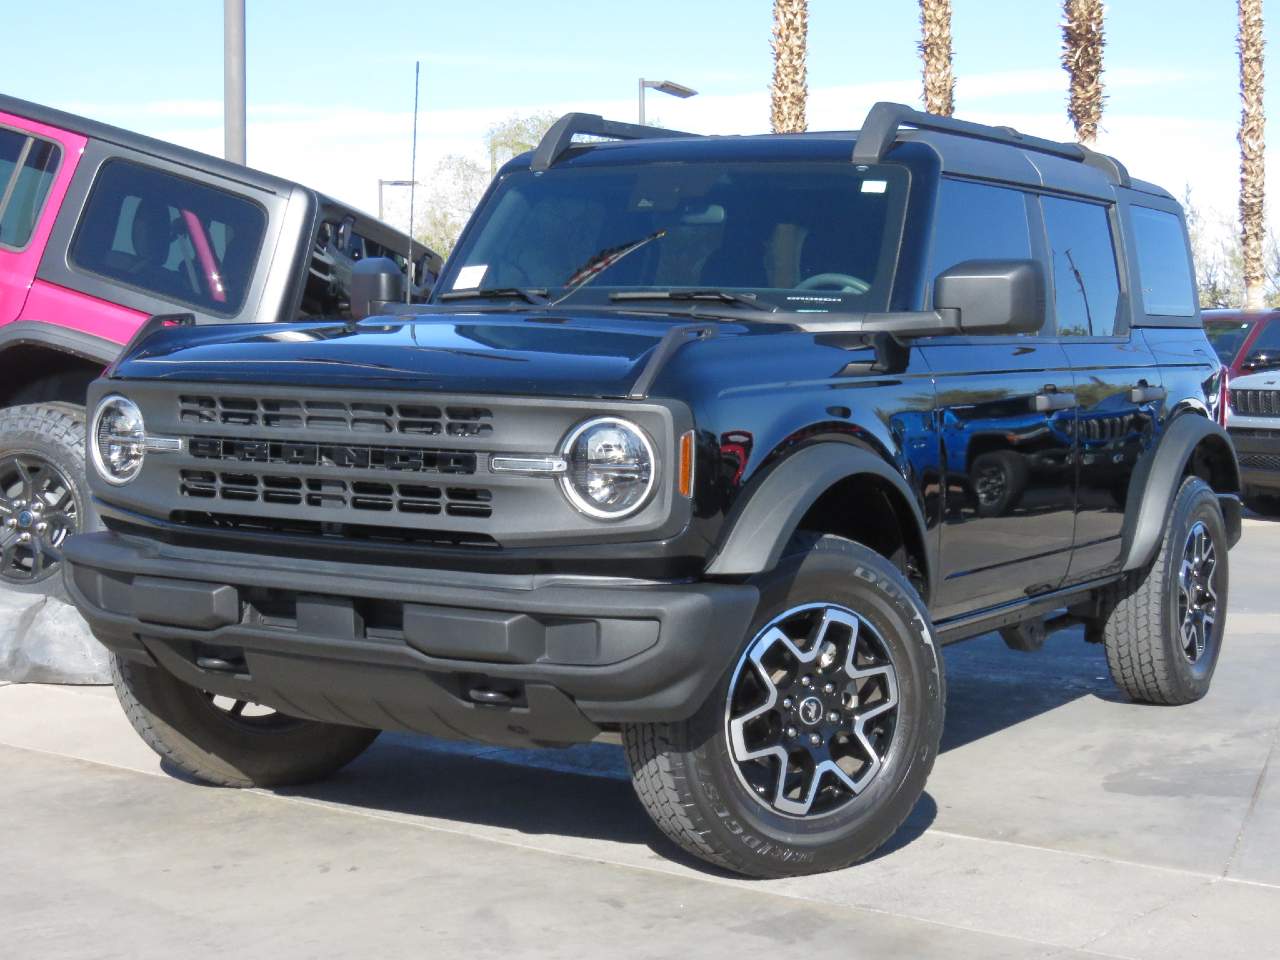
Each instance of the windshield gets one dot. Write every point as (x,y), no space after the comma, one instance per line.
(796,236)
(1227,336)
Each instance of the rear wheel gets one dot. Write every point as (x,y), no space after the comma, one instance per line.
(230,743)
(817,742)
(43,494)
(1164,625)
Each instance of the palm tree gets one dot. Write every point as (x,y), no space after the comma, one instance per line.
(935,51)
(1252,146)
(1082,43)
(790,86)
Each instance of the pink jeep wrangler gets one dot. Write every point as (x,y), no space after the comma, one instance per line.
(101,229)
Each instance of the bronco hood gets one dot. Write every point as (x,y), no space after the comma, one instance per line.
(479,352)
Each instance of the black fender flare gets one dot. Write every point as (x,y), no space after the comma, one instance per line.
(1156,481)
(86,346)
(766,516)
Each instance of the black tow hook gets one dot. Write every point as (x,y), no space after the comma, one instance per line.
(485,695)
(220,665)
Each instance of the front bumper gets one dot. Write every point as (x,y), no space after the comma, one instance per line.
(1258,454)
(506,659)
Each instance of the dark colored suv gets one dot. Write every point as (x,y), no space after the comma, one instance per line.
(706,444)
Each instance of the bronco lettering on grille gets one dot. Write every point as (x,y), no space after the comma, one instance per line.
(404,459)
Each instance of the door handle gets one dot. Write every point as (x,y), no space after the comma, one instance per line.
(1052,399)
(1145,393)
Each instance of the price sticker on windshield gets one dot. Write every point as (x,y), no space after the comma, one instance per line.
(470,277)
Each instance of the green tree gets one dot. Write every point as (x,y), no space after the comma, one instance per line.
(514,136)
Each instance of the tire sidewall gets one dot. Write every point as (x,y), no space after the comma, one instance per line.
(1195,501)
(834,571)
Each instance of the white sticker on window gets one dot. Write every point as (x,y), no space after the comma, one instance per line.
(874,186)
(469,278)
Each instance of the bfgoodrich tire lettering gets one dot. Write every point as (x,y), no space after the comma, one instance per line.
(685,773)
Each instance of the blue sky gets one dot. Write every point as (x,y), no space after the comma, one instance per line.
(330,84)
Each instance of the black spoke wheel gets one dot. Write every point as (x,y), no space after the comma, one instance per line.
(811,710)
(1198,593)
(254,716)
(38,510)
(44,498)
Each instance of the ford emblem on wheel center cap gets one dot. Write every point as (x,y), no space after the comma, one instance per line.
(811,710)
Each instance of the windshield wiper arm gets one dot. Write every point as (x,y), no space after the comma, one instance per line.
(601,262)
(720,296)
(535,295)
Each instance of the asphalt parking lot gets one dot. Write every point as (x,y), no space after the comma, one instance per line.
(1061,821)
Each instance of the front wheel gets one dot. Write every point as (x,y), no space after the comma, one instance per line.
(230,743)
(818,741)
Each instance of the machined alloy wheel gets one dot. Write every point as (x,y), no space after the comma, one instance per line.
(811,710)
(1198,593)
(37,513)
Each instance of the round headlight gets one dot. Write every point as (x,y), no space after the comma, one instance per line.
(118,439)
(611,469)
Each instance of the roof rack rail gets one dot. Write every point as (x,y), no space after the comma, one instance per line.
(885,118)
(559,138)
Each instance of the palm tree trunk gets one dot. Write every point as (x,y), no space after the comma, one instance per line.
(935,51)
(1082,44)
(790,84)
(1252,146)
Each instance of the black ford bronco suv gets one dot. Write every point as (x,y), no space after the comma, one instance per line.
(706,444)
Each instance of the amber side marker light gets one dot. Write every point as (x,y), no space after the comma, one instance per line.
(686,464)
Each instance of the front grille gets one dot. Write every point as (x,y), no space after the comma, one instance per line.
(367,495)
(355,457)
(1256,403)
(1260,461)
(243,523)
(409,419)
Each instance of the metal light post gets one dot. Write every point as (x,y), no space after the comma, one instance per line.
(233,80)
(665,86)
(391,183)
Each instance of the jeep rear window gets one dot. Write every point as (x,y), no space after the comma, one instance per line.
(27,166)
(800,236)
(169,236)
(1227,337)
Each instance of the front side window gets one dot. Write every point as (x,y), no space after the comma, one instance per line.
(169,236)
(974,221)
(1086,283)
(796,236)
(1164,264)
(27,166)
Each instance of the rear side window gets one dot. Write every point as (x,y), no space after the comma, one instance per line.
(27,166)
(978,222)
(1086,283)
(172,237)
(1168,289)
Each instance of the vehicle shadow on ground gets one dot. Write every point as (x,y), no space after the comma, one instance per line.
(585,791)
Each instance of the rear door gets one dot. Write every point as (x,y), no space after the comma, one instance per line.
(36,163)
(1006,408)
(1118,383)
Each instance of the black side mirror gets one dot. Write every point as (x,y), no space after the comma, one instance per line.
(993,296)
(376,282)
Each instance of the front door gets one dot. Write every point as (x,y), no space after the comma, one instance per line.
(1006,421)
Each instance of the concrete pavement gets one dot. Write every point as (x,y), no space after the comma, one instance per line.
(1061,821)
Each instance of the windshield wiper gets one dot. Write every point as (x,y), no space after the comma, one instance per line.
(601,262)
(748,300)
(535,295)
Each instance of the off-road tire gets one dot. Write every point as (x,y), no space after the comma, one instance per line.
(1141,629)
(54,432)
(683,772)
(182,725)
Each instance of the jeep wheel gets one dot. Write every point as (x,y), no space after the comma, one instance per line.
(999,478)
(817,742)
(1164,625)
(43,495)
(230,743)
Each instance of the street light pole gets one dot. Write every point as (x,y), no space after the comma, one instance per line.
(669,87)
(391,183)
(233,80)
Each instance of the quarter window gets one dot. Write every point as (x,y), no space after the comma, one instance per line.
(169,236)
(27,166)
(1086,285)
(1163,263)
